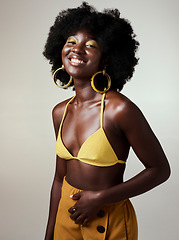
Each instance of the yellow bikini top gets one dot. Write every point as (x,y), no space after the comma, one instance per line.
(96,150)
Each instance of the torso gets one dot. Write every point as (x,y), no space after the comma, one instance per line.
(82,121)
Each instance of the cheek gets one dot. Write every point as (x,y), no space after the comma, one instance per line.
(65,51)
(97,58)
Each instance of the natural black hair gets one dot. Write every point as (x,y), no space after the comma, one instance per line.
(114,35)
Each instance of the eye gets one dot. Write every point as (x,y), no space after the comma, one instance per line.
(71,40)
(92,43)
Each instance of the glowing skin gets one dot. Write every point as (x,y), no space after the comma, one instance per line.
(81,55)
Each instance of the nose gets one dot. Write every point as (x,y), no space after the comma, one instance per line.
(78,49)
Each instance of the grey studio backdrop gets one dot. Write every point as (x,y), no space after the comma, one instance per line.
(28,95)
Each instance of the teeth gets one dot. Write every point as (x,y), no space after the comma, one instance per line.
(75,60)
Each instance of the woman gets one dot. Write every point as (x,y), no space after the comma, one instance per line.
(96,128)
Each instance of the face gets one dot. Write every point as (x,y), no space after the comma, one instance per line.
(81,55)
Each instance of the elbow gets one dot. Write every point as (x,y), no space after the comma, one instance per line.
(165,173)
(168,173)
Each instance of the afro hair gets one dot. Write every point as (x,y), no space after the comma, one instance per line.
(114,35)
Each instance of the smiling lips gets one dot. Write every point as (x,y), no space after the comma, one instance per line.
(76,61)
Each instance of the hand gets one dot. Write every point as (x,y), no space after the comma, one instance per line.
(88,204)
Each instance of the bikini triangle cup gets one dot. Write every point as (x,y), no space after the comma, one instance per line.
(96,150)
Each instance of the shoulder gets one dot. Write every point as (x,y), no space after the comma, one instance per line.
(58,110)
(57,114)
(122,111)
(120,103)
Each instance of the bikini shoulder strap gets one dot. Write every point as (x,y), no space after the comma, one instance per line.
(102,110)
(64,114)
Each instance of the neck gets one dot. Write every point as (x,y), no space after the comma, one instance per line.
(84,91)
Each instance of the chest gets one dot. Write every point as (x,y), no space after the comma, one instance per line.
(79,124)
(84,125)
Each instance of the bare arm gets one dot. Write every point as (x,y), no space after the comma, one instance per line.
(148,150)
(60,172)
(54,201)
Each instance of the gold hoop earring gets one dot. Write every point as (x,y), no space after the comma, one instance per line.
(57,81)
(101,87)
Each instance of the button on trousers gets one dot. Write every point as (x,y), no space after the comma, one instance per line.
(113,222)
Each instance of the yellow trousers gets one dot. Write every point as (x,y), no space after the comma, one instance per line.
(113,222)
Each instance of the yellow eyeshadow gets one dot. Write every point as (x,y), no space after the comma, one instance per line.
(71,39)
(92,43)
